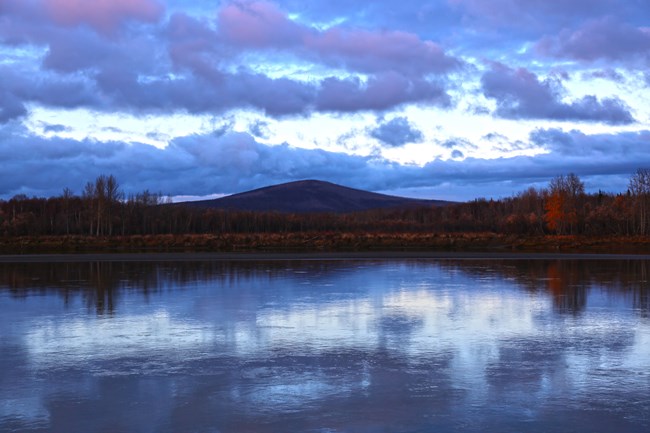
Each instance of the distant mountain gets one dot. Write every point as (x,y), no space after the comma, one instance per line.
(311,196)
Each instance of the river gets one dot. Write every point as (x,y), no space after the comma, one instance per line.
(394,345)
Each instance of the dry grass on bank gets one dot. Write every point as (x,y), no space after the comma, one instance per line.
(334,241)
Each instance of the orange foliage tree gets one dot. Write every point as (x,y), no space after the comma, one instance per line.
(554,216)
(564,203)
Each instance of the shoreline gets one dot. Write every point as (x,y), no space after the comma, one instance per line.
(306,256)
(319,245)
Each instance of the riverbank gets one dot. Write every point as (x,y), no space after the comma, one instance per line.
(324,243)
(318,256)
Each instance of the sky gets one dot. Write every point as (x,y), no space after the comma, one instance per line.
(440,99)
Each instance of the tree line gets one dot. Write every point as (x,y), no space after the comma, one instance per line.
(563,208)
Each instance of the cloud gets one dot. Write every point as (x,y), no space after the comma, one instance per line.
(10,107)
(105,16)
(17,89)
(605,74)
(198,165)
(500,28)
(284,96)
(539,14)
(55,128)
(397,132)
(31,20)
(381,51)
(213,91)
(74,51)
(415,15)
(458,143)
(606,38)
(112,129)
(259,128)
(262,25)
(504,144)
(521,95)
(195,65)
(188,65)
(378,93)
(259,24)
(601,147)
(232,162)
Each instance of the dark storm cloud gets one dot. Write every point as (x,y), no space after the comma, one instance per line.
(397,132)
(520,94)
(233,162)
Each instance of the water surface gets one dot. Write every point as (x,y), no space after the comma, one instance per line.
(325,346)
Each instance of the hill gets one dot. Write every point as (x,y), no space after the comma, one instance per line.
(307,196)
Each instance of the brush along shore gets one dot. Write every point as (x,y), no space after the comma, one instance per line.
(326,242)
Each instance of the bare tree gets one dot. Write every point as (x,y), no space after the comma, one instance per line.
(100,197)
(113,197)
(88,197)
(66,197)
(640,189)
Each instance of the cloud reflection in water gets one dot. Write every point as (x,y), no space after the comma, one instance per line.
(325,346)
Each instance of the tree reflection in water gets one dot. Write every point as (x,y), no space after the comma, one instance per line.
(568,282)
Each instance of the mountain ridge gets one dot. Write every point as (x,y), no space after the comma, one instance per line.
(312,196)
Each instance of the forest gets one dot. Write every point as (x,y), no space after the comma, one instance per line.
(562,208)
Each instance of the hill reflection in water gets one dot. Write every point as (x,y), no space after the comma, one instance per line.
(406,345)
